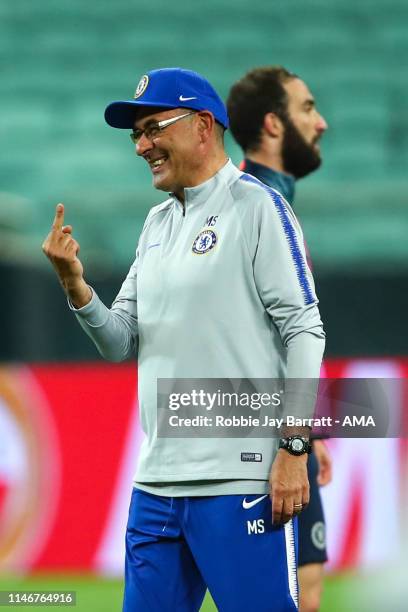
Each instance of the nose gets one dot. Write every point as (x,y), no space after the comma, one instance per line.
(321,125)
(143,145)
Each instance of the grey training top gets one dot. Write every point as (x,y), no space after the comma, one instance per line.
(219,288)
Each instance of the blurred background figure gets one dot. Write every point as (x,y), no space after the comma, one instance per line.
(61,506)
(274,119)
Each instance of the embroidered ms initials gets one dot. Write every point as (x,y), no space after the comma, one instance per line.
(211,221)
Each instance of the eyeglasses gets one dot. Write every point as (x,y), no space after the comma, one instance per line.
(154,129)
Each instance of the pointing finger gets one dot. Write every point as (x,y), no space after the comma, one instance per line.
(59,217)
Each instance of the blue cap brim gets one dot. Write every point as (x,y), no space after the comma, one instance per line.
(122,114)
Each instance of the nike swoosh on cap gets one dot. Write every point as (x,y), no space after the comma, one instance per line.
(183,99)
(246,505)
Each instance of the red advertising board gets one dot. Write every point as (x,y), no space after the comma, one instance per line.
(69,440)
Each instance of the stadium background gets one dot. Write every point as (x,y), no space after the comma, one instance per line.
(68,423)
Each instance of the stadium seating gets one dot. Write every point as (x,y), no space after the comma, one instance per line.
(63,62)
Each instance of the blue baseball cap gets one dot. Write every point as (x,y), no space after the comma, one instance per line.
(168,88)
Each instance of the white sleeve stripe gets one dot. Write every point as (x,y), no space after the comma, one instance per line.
(291,238)
(291,562)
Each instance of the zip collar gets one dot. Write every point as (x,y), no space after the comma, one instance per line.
(198,195)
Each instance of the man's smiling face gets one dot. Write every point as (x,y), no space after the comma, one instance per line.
(169,152)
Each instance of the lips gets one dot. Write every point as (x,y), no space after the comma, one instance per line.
(156,164)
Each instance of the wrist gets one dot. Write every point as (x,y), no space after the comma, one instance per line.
(295,445)
(289,431)
(296,459)
(78,292)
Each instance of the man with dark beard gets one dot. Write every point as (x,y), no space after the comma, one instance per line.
(273,117)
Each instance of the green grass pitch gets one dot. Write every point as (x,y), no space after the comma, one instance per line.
(96,594)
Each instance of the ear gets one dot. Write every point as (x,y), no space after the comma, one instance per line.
(273,125)
(206,125)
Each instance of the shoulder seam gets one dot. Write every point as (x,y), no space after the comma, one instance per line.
(155,210)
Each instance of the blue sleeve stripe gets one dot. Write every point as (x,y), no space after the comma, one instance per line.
(290,234)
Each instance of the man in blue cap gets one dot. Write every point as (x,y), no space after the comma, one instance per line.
(163,98)
(219,289)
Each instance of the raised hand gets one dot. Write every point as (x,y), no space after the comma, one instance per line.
(62,250)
